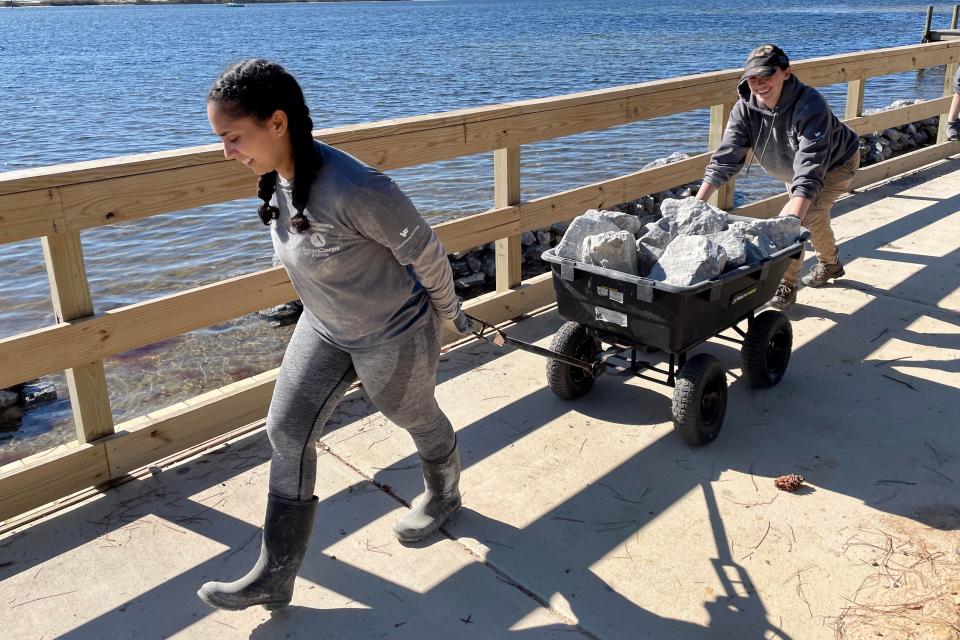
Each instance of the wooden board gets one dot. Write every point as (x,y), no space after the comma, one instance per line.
(56,476)
(66,345)
(542,212)
(145,439)
(113,190)
(897,117)
(70,294)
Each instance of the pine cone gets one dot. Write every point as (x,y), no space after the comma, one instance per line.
(790,482)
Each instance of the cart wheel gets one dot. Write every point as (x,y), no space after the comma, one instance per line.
(565,380)
(766,349)
(700,399)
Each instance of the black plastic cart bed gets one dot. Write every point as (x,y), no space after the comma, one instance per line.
(631,315)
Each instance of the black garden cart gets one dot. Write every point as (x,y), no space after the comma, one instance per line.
(613,317)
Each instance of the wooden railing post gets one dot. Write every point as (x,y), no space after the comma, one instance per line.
(926,26)
(947,91)
(854,108)
(506,193)
(719,114)
(70,294)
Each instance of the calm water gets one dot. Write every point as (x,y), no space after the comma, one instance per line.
(91,82)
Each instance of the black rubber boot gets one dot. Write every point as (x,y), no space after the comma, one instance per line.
(286,532)
(441,479)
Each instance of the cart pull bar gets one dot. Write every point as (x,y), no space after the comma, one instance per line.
(492,334)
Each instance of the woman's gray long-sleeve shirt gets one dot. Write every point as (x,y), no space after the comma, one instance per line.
(798,141)
(370,269)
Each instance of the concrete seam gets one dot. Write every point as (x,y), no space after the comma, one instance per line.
(498,573)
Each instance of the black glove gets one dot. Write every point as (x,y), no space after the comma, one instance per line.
(462,323)
(953,130)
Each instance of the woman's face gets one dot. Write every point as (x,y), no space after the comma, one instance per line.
(261,146)
(768,89)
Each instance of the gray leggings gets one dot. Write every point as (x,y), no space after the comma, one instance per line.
(399,379)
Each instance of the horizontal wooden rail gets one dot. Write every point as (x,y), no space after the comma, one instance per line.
(900,116)
(770,207)
(138,442)
(84,195)
(55,202)
(71,344)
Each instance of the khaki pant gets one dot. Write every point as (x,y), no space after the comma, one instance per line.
(835,183)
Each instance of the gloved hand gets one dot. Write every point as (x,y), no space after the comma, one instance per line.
(462,323)
(953,130)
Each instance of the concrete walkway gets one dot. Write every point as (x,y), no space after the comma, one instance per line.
(589,518)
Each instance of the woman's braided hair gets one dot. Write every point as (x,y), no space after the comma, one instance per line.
(257,88)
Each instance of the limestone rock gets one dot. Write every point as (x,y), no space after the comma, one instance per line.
(650,246)
(689,260)
(734,243)
(580,228)
(759,246)
(615,250)
(624,221)
(692,216)
(662,162)
(782,230)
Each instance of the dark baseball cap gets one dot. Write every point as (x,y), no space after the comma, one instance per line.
(764,61)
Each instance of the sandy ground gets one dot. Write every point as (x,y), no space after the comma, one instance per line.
(589,518)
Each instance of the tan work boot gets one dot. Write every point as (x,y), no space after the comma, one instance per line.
(822,272)
(785,296)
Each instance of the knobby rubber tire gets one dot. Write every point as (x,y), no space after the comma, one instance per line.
(766,349)
(565,380)
(700,399)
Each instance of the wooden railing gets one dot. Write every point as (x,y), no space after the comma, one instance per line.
(58,203)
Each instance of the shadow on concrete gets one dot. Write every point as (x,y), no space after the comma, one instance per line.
(767,433)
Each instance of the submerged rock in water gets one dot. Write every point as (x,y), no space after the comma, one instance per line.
(616,250)
(8,398)
(282,314)
(10,418)
(38,392)
(689,260)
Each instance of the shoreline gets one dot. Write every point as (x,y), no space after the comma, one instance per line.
(21,4)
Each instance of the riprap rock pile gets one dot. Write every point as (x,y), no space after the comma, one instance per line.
(692,241)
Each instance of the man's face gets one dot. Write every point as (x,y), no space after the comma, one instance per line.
(767,89)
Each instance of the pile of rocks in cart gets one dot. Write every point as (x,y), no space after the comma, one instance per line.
(692,241)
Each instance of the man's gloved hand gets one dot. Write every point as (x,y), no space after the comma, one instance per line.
(953,130)
(461,323)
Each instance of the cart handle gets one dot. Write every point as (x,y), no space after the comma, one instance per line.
(490,333)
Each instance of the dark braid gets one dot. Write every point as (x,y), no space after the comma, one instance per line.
(265,188)
(257,88)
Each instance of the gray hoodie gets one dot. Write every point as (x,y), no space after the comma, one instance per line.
(798,141)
